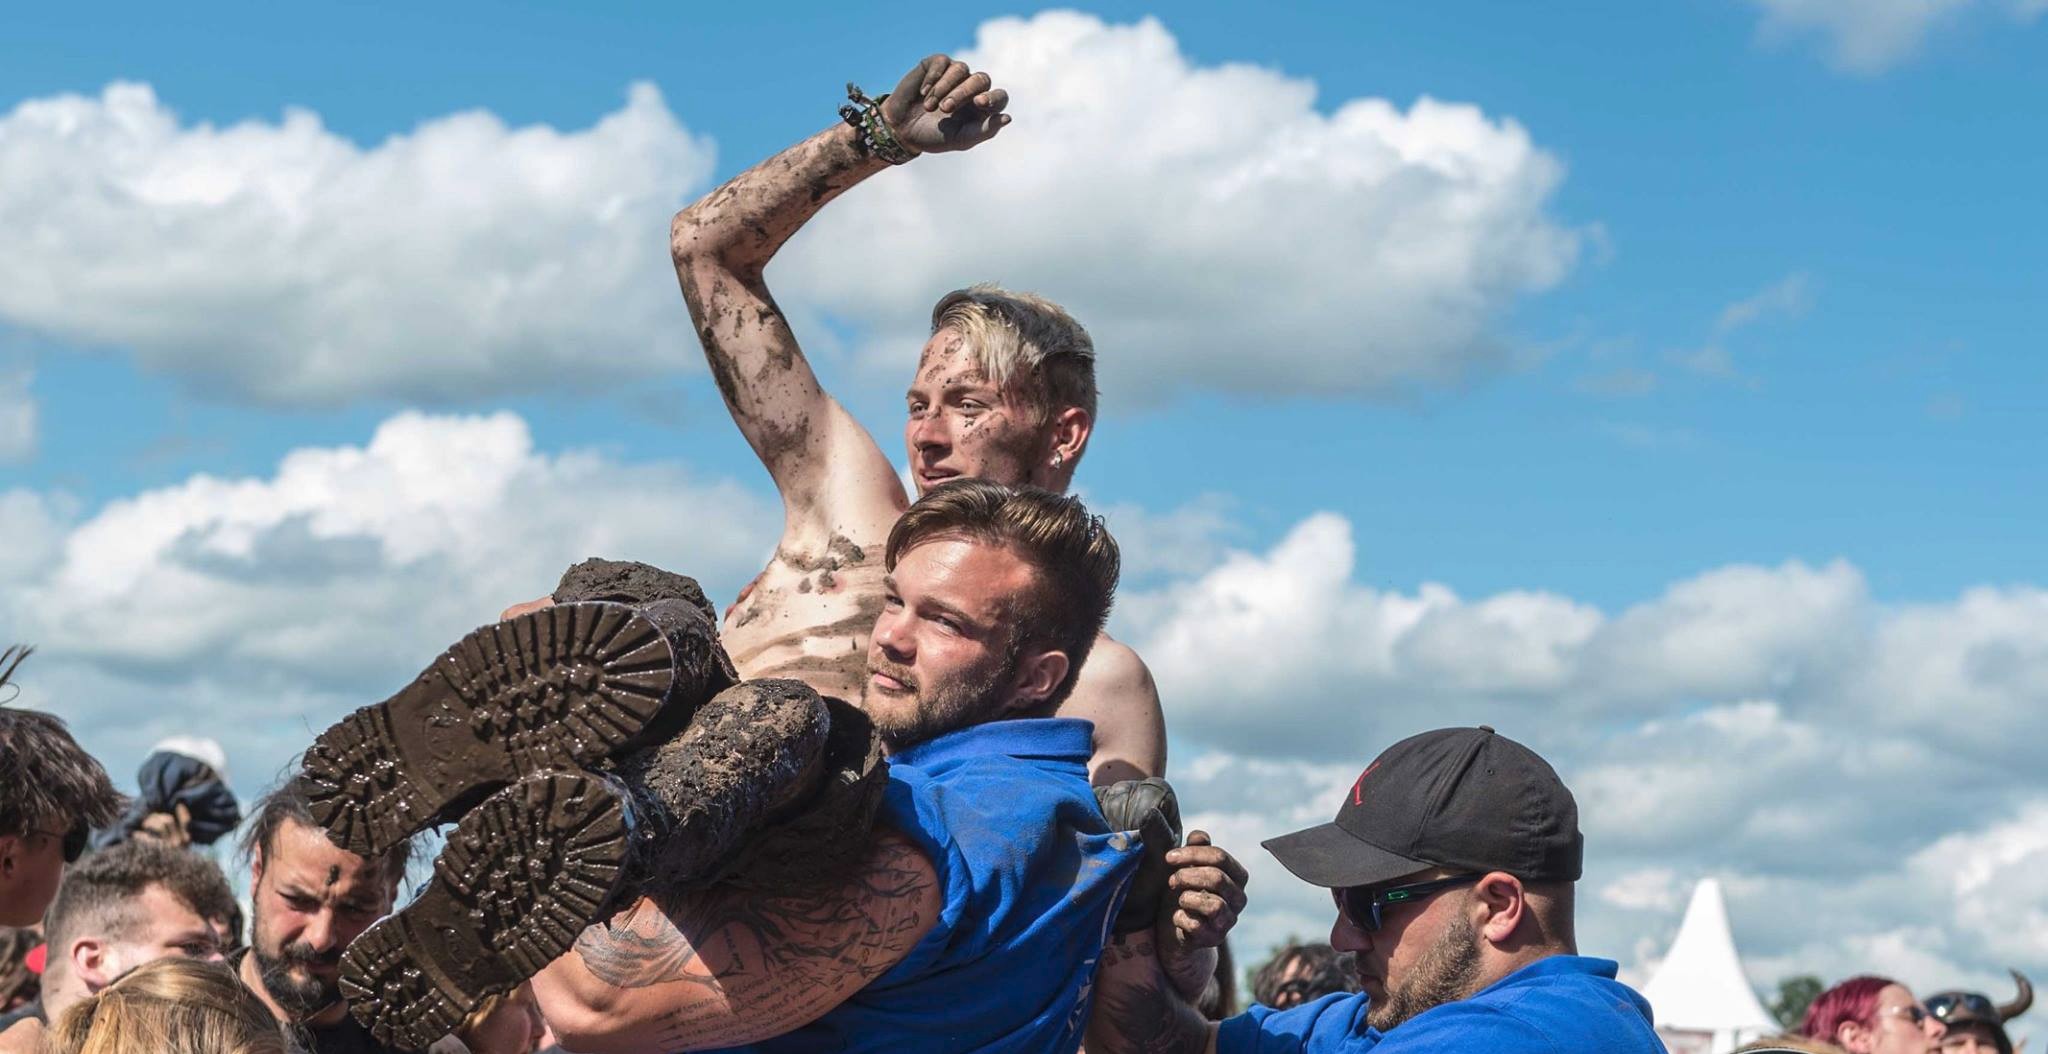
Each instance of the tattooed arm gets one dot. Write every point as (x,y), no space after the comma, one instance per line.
(1137,1011)
(827,467)
(727,967)
(1148,980)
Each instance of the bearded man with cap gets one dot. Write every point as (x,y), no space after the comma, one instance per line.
(1451,864)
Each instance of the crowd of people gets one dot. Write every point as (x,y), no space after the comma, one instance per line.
(904,794)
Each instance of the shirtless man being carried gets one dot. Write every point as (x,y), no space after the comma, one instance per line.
(1004,391)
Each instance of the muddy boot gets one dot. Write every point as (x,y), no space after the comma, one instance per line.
(556,688)
(526,871)
(521,877)
(750,755)
(630,582)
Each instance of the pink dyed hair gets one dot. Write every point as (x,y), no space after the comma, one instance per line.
(1853,1000)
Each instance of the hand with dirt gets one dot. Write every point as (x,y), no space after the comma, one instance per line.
(940,106)
(1208,887)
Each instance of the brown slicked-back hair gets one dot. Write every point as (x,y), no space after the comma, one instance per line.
(1076,559)
(48,777)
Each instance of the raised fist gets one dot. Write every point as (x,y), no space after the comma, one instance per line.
(939,106)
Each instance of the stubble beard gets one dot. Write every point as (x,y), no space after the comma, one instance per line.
(937,707)
(1447,972)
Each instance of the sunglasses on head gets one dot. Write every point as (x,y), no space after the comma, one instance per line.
(73,841)
(1361,905)
(1945,1005)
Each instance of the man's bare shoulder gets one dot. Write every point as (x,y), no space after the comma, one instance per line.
(1117,692)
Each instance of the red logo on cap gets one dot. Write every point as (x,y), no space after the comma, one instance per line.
(1358,787)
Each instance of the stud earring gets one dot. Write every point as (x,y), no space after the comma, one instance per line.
(1058,459)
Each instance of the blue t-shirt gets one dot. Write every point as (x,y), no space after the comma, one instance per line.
(1032,878)
(1565,1004)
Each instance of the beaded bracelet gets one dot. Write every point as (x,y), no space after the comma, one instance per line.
(876,137)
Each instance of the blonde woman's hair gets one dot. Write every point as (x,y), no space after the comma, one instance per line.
(1025,344)
(171,1006)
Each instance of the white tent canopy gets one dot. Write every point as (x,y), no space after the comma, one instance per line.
(1700,998)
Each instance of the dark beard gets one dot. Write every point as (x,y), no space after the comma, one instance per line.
(942,707)
(1445,974)
(299,998)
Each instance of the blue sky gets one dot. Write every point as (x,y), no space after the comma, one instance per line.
(1762,346)
(1889,422)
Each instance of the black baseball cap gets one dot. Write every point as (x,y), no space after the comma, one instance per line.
(1463,798)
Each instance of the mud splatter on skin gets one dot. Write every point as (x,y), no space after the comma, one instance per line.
(988,432)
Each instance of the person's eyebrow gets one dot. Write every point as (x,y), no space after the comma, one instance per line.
(951,609)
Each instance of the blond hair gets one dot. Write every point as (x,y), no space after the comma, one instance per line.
(170,1006)
(1023,343)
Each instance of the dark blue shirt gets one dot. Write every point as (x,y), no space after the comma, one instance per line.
(1565,1004)
(1031,876)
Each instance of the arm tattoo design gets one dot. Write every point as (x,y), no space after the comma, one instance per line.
(1135,1012)
(759,960)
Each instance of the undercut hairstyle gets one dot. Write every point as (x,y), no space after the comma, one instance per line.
(1853,1000)
(171,1006)
(1075,558)
(286,803)
(1025,344)
(49,778)
(100,894)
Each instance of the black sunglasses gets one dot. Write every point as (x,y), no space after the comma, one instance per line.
(1361,905)
(73,839)
(1946,1004)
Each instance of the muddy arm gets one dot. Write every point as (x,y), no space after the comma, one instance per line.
(726,967)
(721,247)
(820,457)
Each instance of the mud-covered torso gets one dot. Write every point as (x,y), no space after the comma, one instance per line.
(809,616)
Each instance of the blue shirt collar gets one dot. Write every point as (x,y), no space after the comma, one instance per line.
(1051,738)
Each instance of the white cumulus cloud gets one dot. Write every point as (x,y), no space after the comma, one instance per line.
(1210,223)
(257,610)
(281,262)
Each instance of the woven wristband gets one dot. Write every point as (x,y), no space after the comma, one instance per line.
(876,138)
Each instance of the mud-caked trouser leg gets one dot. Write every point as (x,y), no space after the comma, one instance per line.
(533,865)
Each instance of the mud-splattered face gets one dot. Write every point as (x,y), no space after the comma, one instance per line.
(309,900)
(940,658)
(961,425)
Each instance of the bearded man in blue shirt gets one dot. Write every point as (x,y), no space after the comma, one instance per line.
(1452,863)
(973,922)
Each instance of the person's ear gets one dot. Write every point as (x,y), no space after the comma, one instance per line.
(10,847)
(255,867)
(1039,673)
(1501,905)
(1070,429)
(1853,1036)
(89,963)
